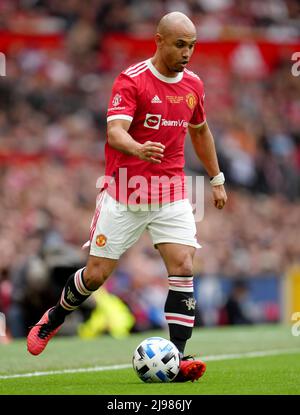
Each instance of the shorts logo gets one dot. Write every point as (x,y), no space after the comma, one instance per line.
(152,121)
(116,100)
(101,240)
(191,101)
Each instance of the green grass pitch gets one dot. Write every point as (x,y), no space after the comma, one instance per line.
(248,360)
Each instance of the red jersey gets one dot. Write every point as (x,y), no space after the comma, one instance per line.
(160,109)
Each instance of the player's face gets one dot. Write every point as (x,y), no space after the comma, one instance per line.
(176,51)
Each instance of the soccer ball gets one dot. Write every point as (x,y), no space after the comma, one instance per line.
(156,360)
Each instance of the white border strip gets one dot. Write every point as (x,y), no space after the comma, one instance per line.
(260,353)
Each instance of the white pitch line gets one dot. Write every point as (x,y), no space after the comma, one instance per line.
(245,355)
(64,371)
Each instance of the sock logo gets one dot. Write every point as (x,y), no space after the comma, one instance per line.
(70,296)
(190,303)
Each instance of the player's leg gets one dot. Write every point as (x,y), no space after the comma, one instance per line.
(114,230)
(173,232)
(180,303)
(77,289)
(80,286)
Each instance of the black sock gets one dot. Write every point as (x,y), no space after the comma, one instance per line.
(74,293)
(180,309)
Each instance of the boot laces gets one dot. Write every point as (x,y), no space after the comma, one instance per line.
(44,331)
(188,357)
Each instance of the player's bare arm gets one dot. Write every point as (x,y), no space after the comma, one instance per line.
(120,139)
(204,146)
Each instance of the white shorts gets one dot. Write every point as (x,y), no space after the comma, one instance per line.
(115,228)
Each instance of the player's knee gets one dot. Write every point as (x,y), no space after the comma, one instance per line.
(184,265)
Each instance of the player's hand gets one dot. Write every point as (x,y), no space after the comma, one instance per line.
(151,151)
(219,195)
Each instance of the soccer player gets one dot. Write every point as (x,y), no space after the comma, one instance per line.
(153,104)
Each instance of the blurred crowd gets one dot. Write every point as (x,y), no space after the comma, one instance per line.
(52,135)
(275,19)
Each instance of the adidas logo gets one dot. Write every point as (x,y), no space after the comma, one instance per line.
(156,100)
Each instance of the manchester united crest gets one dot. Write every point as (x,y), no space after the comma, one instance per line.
(116,100)
(191,100)
(101,240)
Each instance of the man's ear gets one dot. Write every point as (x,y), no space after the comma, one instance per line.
(158,39)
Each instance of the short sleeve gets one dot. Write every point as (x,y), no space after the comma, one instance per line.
(122,104)
(199,117)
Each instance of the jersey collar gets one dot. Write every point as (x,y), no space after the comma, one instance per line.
(164,78)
